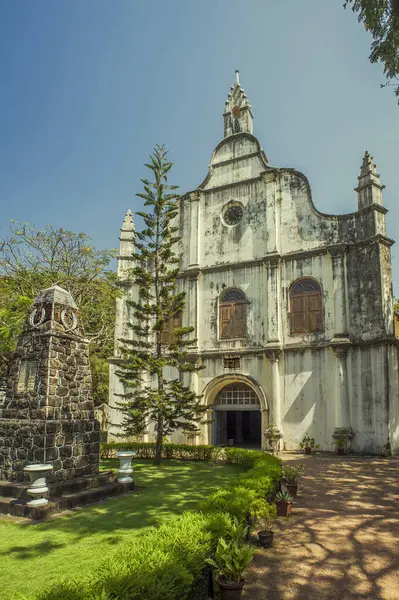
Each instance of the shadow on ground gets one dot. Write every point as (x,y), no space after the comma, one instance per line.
(342,540)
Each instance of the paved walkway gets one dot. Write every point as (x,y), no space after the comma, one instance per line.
(341,541)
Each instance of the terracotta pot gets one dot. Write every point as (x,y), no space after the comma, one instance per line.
(292,489)
(230,591)
(266,538)
(308,450)
(340,450)
(283,508)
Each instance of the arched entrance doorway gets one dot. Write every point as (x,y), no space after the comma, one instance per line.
(237,417)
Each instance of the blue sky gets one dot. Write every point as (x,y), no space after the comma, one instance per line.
(88,87)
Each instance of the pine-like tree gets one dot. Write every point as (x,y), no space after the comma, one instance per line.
(156,359)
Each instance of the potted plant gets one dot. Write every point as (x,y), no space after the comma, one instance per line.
(289,477)
(266,533)
(340,443)
(273,437)
(308,444)
(237,532)
(231,559)
(284,504)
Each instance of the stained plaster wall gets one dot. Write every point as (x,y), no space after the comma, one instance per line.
(280,238)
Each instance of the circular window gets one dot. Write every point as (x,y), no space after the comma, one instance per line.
(233,213)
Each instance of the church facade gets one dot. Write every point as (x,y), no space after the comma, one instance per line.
(292,308)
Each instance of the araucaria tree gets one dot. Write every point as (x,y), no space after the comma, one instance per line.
(156,358)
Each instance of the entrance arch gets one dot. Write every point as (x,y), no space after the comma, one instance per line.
(238,411)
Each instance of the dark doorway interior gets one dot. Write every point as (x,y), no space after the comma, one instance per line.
(244,427)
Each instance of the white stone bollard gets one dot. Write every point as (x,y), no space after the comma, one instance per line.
(38,487)
(125,467)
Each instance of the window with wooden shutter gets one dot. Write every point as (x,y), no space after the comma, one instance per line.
(167,336)
(306,306)
(225,320)
(232,315)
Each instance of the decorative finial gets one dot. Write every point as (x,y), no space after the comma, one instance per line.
(128,223)
(369,189)
(237,77)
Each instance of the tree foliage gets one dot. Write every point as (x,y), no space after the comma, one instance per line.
(156,358)
(32,260)
(381,19)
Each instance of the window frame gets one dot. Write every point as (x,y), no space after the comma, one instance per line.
(223,304)
(167,337)
(237,394)
(306,312)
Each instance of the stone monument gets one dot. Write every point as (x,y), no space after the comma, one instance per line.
(47,415)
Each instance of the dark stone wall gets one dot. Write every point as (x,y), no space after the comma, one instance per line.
(71,446)
(47,414)
(62,383)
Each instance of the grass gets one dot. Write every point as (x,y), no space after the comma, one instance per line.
(32,556)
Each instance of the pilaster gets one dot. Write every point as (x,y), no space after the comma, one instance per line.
(194,228)
(340,347)
(192,303)
(273,356)
(273,299)
(338,260)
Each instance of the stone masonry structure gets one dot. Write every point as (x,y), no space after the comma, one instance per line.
(292,308)
(48,414)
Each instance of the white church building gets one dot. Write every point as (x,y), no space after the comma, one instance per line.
(292,308)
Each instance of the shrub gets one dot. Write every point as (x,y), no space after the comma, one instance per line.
(231,559)
(291,473)
(166,563)
(240,456)
(163,564)
(170,451)
(238,502)
(246,498)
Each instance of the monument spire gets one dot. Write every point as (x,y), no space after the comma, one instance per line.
(238,117)
(126,245)
(369,189)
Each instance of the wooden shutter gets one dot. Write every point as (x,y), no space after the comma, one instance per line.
(239,321)
(225,315)
(167,336)
(298,314)
(176,323)
(314,312)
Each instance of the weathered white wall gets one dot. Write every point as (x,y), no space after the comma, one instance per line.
(310,388)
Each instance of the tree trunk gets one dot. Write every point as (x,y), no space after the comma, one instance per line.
(158,443)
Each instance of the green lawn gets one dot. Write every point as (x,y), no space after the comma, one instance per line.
(32,556)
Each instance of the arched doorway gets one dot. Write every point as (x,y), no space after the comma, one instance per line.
(237,416)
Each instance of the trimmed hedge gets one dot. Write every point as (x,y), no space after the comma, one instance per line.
(175,451)
(167,562)
(246,499)
(163,564)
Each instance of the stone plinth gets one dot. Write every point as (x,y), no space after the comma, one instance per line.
(71,446)
(63,495)
(47,414)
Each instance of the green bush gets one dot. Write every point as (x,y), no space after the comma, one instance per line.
(170,451)
(240,456)
(246,498)
(165,563)
(238,502)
